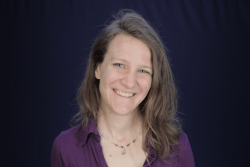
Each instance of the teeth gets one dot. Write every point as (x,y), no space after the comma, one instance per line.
(124,94)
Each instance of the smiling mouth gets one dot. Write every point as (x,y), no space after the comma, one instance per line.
(123,94)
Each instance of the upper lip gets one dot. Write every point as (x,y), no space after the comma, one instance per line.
(116,90)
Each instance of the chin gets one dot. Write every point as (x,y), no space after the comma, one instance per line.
(124,110)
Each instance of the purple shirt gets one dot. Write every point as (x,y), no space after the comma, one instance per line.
(80,147)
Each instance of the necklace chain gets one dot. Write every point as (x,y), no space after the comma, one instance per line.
(122,147)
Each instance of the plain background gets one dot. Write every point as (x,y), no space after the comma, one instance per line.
(44,50)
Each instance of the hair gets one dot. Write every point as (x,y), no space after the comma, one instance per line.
(158,110)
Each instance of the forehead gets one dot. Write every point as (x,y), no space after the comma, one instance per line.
(128,47)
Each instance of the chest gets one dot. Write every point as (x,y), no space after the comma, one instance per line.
(134,155)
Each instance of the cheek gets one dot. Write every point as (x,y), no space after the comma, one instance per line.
(145,84)
(109,77)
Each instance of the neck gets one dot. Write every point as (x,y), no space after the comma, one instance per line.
(119,128)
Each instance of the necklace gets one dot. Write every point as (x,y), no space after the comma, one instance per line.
(122,147)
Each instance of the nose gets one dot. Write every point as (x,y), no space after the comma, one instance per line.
(129,80)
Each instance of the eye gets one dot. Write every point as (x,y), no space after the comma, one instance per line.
(119,65)
(143,71)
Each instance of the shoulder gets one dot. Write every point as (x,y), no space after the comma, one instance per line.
(183,140)
(180,155)
(185,152)
(67,146)
(72,136)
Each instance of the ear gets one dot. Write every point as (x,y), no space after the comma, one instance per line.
(97,72)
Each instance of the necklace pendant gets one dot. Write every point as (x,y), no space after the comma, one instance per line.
(124,152)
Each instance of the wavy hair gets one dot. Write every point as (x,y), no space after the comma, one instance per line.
(158,110)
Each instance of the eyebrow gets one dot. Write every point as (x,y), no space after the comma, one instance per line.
(113,58)
(144,66)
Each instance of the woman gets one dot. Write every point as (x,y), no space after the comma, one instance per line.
(127,104)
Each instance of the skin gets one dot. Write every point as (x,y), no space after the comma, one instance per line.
(125,79)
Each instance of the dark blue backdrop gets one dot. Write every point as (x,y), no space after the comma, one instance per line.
(45,46)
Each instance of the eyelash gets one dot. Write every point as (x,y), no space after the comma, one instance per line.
(144,71)
(119,65)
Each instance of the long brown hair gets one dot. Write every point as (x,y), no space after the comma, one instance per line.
(158,110)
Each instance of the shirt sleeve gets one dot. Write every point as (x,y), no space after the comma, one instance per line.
(56,157)
(187,159)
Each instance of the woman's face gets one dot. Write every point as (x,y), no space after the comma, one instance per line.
(125,74)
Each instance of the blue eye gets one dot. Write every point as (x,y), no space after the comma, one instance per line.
(143,71)
(119,65)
